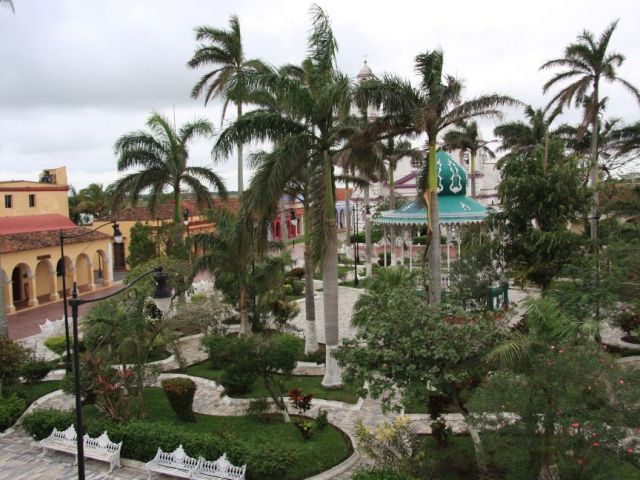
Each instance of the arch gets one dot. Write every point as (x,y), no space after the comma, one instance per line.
(46,281)
(105,272)
(23,286)
(84,272)
(5,283)
(69,274)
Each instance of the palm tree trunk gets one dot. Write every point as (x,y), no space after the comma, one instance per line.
(310,334)
(240,159)
(595,206)
(392,206)
(473,174)
(435,290)
(177,211)
(245,328)
(367,232)
(549,469)
(333,373)
(347,213)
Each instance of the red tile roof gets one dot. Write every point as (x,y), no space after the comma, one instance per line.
(165,211)
(34,223)
(19,242)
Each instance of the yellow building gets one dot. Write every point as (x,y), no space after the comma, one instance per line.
(33,215)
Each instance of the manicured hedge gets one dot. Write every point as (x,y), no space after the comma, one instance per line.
(11,408)
(142,440)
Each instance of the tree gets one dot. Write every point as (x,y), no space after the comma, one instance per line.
(94,200)
(536,209)
(427,109)
(223,50)
(587,62)
(521,137)
(8,3)
(162,155)
(433,350)
(73,201)
(467,139)
(141,244)
(307,136)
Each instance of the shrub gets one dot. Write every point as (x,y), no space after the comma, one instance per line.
(268,461)
(305,426)
(301,401)
(627,321)
(180,392)
(217,347)
(297,287)
(297,272)
(322,420)
(57,344)
(381,259)
(420,240)
(258,409)
(380,474)
(40,423)
(376,236)
(12,357)
(10,409)
(237,380)
(441,432)
(35,369)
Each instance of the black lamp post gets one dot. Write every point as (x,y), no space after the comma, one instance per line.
(62,271)
(356,255)
(162,298)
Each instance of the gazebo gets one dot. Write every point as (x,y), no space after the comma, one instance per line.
(456,208)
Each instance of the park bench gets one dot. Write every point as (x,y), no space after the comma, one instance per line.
(176,463)
(100,448)
(219,469)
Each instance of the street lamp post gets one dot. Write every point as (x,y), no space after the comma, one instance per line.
(162,298)
(62,271)
(356,255)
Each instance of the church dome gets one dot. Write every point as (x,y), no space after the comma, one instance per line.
(452,179)
(365,72)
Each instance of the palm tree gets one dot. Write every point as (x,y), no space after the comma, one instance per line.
(223,50)
(95,200)
(162,155)
(587,62)
(519,137)
(428,109)
(466,138)
(9,3)
(307,135)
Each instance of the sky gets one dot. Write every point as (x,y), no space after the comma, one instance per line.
(77,74)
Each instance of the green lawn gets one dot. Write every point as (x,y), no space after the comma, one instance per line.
(30,392)
(324,450)
(308,384)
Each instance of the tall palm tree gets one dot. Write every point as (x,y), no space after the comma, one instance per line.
(307,137)
(223,50)
(467,138)
(518,136)
(95,200)
(586,62)
(162,155)
(427,109)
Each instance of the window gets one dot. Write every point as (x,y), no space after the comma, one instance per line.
(32,199)
(8,201)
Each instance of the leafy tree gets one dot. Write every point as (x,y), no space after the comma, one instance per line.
(12,356)
(73,201)
(142,247)
(433,350)
(94,200)
(467,138)
(307,135)
(163,155)
(536,209)
(521,137)
(427,109)
(586,62)
(223,50)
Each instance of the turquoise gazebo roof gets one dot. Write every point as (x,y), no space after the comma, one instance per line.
(455,207)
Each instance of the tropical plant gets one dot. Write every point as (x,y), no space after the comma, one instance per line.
(94,200)
(223,50)
(586,62)
(520,137)
(162,155)
(427,109)
(307,134)
(467,138)
(142,246)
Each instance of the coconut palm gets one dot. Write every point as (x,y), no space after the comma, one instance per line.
(586,62)
(223,50)
(518,136)
(427,109)
(307,135)
(162,155)
(467,138)
(95,200)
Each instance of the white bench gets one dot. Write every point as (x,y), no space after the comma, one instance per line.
(51,328)
(100,448)
(176,463)
(219,469)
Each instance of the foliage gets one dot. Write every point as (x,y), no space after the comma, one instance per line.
(12,357)
(179,271)
(94,200)
(322,420)
(297,272)
(390,445)
(472,275)
(305,426)
(41,422)
(300,401)
(10,409)
(258,409)
(537,205)
(57,344)
(142,246)
(376,236)
(380,474)
(203,315)
(180,392)
(112,390)
(34,369)
(441,432)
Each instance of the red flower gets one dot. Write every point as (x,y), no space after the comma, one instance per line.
(575,425)
(629,450)
(596,444)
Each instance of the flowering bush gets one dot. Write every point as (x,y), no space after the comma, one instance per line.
(180,392)
(301,401)
(112,394)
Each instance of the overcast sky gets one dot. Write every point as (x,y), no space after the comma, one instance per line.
(76,74)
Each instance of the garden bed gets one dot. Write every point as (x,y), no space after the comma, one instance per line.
(28,393)
(308,384)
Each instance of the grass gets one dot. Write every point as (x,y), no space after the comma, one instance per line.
(30,392)
(308,384)
(324,450)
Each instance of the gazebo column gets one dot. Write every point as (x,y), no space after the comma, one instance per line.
(394,244)
(410,247)
(458,239)
(448,227)
(402,235)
